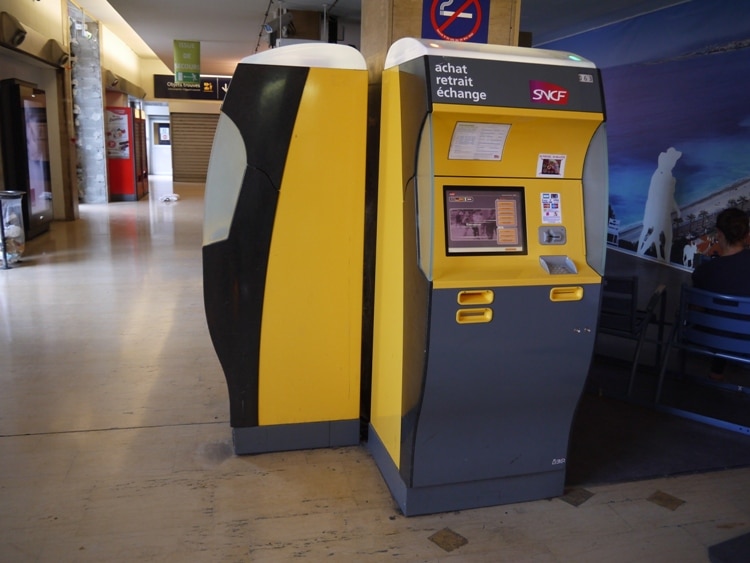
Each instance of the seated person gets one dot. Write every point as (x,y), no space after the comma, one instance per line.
(729,272)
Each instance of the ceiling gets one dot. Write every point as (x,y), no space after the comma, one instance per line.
(229,30)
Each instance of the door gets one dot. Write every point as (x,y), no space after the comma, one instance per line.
(160,157)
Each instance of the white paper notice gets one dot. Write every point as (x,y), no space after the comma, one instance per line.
(478,141)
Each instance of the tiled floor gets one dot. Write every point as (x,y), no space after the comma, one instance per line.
(115,444)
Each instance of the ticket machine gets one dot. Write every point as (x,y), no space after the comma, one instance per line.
(283,243)
(492,218)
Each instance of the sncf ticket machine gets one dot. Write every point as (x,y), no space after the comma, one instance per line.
(491,240)
(283,244)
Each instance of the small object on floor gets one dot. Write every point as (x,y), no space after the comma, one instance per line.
(576,496)
(169,197)
(736,550)
(448,540)
(716,376)
(666,500)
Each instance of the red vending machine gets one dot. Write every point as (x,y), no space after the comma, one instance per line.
(127,171)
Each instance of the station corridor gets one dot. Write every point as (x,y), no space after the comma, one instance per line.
(115,444)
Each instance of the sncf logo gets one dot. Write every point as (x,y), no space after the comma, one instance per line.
(547,93)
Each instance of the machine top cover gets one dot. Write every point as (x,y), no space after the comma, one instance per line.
(409,48)
(313,55)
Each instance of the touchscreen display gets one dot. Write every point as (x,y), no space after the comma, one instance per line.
(484,220)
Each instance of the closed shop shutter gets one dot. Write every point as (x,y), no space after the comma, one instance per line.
(192,138)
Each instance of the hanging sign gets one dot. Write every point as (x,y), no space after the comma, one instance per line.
(187,61)
(208,88)
(456,20)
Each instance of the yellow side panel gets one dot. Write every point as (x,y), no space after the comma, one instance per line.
(387,362)
(312,315)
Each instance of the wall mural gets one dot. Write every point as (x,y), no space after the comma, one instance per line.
(676,85)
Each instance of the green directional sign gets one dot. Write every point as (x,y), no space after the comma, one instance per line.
(187,61)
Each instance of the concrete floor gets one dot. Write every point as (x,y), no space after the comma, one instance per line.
(115,444)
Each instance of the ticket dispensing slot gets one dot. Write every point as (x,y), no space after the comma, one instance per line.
(476,297)
(470,316)
(566,293)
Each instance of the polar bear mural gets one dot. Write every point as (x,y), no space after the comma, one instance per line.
(657,216)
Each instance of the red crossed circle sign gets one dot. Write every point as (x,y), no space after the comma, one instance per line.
(442,28)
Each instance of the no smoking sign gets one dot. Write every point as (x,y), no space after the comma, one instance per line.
(456,20)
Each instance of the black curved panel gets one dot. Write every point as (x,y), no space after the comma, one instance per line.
(233,287)
(262,102)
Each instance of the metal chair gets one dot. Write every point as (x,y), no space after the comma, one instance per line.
(620,316)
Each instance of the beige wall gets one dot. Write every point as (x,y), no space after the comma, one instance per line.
(49,18)
(118,57)
(383,22)
(46,17)
(148,68)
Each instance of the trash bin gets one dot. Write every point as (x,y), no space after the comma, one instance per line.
(12,234)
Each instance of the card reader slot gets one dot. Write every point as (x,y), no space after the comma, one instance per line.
(472,316)
(476,297)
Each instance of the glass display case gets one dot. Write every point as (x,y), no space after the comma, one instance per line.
(25,151)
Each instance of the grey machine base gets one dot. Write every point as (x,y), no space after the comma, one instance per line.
(736,550)
(414,501)
(304,436)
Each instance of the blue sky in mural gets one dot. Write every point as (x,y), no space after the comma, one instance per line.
(667,84)
(664,33)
